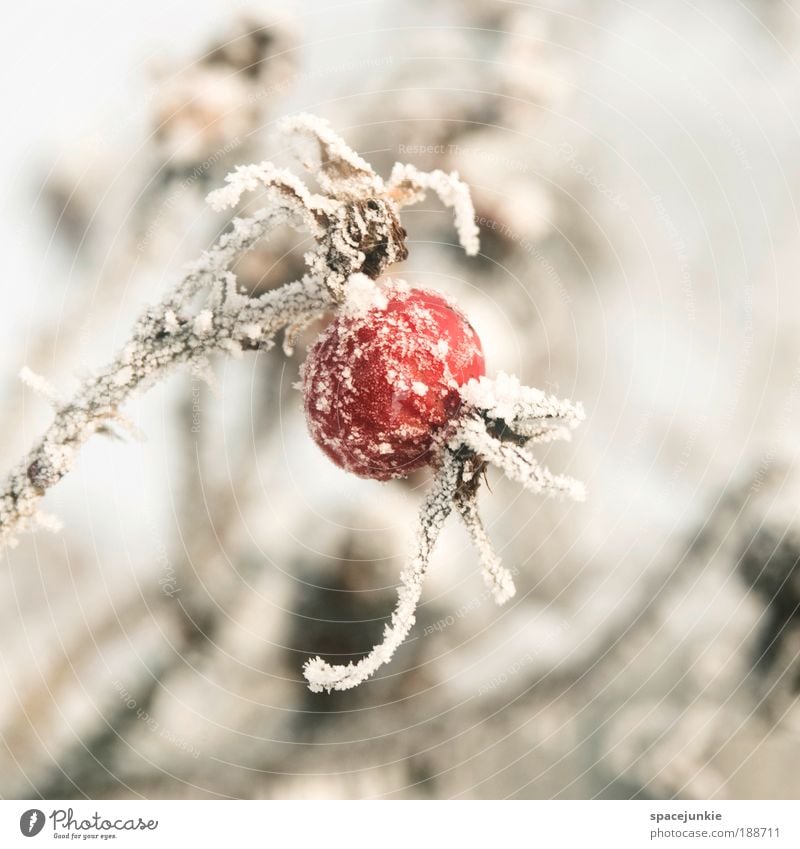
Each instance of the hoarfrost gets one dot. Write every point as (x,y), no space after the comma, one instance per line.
(356,227)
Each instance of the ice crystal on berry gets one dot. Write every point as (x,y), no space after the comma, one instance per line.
(379,385)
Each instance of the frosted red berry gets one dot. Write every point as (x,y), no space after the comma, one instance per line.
(382,382)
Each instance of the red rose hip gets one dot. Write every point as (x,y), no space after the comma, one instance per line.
(383,379)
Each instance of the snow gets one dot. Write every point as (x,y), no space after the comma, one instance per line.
(363,295)
(515,462)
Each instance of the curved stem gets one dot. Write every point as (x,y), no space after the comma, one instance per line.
(432,515)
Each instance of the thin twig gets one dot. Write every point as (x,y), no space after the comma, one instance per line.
(432,515)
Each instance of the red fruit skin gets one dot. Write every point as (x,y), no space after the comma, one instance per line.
(380,385)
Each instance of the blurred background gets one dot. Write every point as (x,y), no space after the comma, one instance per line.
(634,167)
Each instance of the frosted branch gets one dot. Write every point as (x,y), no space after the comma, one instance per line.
(40,385)
(433,513)
(161,341)
(212,268)
(358,235)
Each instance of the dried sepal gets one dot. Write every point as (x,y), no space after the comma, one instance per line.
(356,222)
(362,237)
(408,185)
(515,462)
(498,579)
(338,169)
(526,411)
